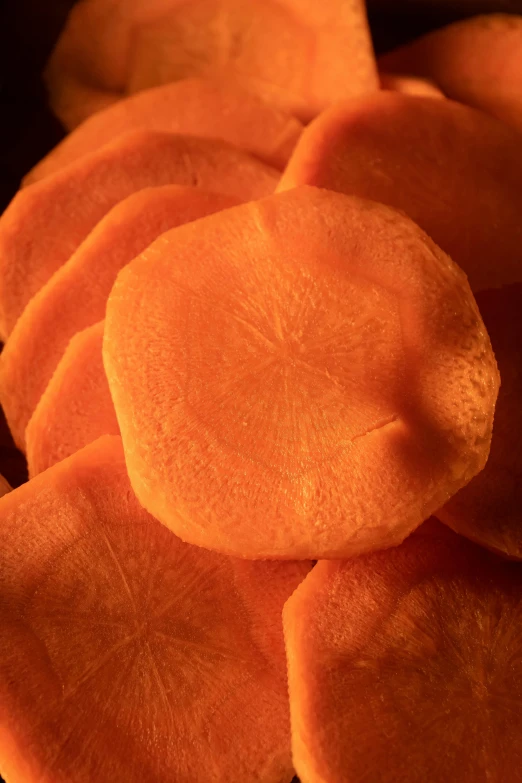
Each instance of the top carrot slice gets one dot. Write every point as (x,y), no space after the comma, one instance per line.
(300,54)
(303,376)
(454,170)
(45,223)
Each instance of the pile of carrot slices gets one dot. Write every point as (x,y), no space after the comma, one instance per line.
(262,315)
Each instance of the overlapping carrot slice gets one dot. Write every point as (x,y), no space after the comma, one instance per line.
(303,376)
(75,296)
(405,665)
(489,509)
(454,170)
(46,222)
(477,61)
(127,655)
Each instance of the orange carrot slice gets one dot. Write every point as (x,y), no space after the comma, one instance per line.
(64,208)
(303,376)
(455,171)
(410,85)
(4,487)
(126,654)
(76,407)
(405,665)
(196,107)
(76,295)
(300,54)
(489,509)
(476,61)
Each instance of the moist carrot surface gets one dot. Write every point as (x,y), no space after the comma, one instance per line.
(489,509)
(454,170)
(64,208)
(76,295)
(410,85)
(126,655)
(405,665)
(303,376)
(76,407)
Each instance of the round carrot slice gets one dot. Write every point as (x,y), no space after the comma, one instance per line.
(93,185)
(405,665)
(303,376)
(76,295)
(489,509)
(195,107)
(126,654)
(455,171)
(76,407)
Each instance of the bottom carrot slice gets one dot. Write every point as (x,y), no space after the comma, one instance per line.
(405,665)
(126,655)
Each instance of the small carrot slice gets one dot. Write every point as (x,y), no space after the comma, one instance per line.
(455,171)
(405,665)
(76,407)
(489,509)
(410,85)
(126,654)
(303,376)
(64,208)
(195,107)
(477,61)
(299,54)
(76,295)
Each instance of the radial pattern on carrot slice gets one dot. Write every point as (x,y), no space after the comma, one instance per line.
(454,170)
(64,208)
(405,665)
(477,61)
(76,407)
(301,55)
(197,107)
(127,655)
(303,376)
(489,509)
(76,295)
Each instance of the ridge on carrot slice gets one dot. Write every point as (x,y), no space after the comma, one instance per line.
(76,407)
(477,61)
(300,55)
(64,208)
(76,295)
(405,665)
(195,107)
(454,170)
(489,509)
(127,655)
(303,376)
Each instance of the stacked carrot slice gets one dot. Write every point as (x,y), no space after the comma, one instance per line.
(257,309)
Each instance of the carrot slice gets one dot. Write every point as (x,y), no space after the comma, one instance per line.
(76,407)
(76,295)
(455,171)
(126,654)
(405,665)
(300,54)
(64,208)
(489,509)
(476,61)
(410,85)
(196,107)
(302,376)
(4,486)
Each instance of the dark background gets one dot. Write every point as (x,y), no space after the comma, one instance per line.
(28,29)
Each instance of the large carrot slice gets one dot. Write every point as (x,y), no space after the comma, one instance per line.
(197,107)
(76,407)
(405,665)
(65,207)
(76,295)
(455,171)
(477,61)
(489,509)
(303,376)
(300,54)
(126,654)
